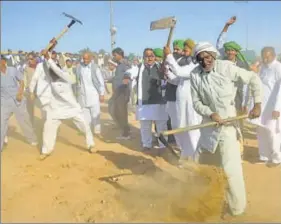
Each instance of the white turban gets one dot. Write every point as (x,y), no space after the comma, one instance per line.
(204,46)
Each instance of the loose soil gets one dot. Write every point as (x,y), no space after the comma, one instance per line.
(121,184)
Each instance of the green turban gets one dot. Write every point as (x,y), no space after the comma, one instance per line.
(158,52)
(179,44)
(131,57)
(231,45)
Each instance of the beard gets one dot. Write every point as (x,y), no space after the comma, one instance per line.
(177,56)
(186,60)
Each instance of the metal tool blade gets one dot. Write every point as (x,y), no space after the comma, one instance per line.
(164,23)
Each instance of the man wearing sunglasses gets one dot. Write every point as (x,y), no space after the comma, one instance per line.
(151,103)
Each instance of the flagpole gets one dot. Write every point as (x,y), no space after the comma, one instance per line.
(112,33)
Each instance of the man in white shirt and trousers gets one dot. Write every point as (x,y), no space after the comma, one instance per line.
(268,130)
(91,90)
(54,90)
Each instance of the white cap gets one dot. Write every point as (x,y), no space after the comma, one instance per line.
(204,46)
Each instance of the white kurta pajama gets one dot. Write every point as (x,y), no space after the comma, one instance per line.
(147,113)
(186,115)
(133,86)
(59,102)
(90,101)
(132,72)
(171,108)
(268,129)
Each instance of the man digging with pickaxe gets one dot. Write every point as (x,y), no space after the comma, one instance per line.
(54,90)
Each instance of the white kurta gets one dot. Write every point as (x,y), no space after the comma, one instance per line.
(268,130)
(186,114)
(62,105)
(278,107)
(171,108)
(153,112)
(148,113)
(41,82)
(56,97)
(133,71)
(90,96)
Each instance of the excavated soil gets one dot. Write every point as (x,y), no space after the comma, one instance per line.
(121,184)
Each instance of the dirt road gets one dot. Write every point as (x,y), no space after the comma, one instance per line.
(74,186)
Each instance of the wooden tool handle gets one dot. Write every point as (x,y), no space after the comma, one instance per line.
(57,38)
(62,33)
(6,53)
(168,45)
(198,126)
(170,35)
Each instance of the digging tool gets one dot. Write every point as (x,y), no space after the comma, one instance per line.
(194,127)
(72,22)
(12,53)
(165,23)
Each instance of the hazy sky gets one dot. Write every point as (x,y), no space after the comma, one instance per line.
(30,25)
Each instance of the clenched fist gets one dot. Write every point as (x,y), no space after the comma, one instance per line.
(256,111)
(19,97)
(231,21)
(167,51)
(217,118)
(275,115)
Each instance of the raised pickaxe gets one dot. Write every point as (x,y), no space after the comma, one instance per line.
(73,21)
(165,23)
(193,127)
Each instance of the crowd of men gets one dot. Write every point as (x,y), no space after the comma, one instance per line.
(195,83)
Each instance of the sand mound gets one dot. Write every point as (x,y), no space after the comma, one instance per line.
(194,195)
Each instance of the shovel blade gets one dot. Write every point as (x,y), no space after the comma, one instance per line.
(164,23)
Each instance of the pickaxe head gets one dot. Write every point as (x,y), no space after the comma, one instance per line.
(165,23)
(73,20)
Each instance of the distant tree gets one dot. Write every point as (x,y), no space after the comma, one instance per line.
(131,56)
